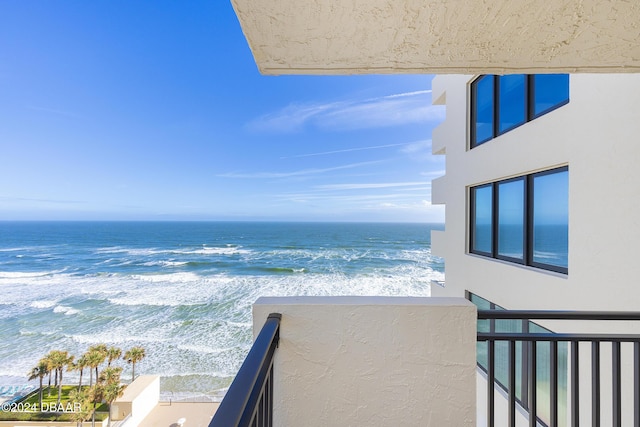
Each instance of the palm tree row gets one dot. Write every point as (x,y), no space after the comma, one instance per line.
(107,386)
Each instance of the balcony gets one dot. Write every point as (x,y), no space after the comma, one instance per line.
(400,361)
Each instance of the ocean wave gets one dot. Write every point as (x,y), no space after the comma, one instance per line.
(209,250)
(67,311)
(43,303)
(203,349)
(28,274)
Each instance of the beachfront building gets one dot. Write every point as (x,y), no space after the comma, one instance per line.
(541,203)
(541,186)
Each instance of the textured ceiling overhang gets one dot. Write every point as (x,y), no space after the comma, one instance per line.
(441,36)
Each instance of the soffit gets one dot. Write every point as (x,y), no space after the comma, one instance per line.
(441,36)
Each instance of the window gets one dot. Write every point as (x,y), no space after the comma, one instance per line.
(550,219)
(524,220)
(512,98)
(483,123)
(482,219)
(550,91)
(511,219)
(502,103)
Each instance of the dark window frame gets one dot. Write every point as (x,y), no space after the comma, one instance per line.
(472,228)
(529,104)
(496,214)
(530,223)
(528,219)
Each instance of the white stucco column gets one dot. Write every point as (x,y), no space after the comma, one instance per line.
(364,361)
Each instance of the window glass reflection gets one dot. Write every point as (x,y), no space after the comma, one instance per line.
(483,109)
(482,220)
(511,219)
(550,91)
(512,105)
(551,218)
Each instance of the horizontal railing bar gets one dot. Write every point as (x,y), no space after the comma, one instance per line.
(558,314)
(232,407)
(515,336)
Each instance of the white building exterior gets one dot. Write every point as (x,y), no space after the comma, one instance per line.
(595,135)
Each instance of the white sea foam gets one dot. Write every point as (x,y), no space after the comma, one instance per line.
(43,303)
(65,310)
(27,275)
(207,250)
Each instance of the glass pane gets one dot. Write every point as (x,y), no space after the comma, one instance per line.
(483,109)
(483,326)
(551,219)
(482,219)
(502,355)
(550,90)
(543,378)
(512,101)
(511,219)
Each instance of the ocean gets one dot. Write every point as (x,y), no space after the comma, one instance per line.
(184,290)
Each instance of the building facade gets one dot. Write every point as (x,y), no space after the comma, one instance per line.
(542,208)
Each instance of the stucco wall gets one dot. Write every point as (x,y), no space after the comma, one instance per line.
(435,36)
(363,361)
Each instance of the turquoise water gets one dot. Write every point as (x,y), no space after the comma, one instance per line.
(184,290)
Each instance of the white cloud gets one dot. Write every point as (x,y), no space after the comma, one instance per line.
(369,186)
(298,173)
(385,111)
(347,150)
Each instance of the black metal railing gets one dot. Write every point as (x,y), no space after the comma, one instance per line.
(525,344)
(249,400)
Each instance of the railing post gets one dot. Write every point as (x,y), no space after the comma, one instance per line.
(595,384)
(248,391)
(491,360)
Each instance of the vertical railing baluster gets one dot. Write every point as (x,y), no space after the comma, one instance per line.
(553,384)
(271,399)
(491,360)
(616,386)
(533,384)
(636,384)
(512,383)
(575,380)
(595,384)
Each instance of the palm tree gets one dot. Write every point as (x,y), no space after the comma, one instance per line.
(133,356)
(111,387)
(39,371)
(110,392)
(113,353)
(94,359)
(81,413)
(101,350)
(80,364)
(110,375)
(47,360)
(95,395)
(59,359)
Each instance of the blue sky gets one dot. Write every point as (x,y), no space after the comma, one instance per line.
(155,110)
